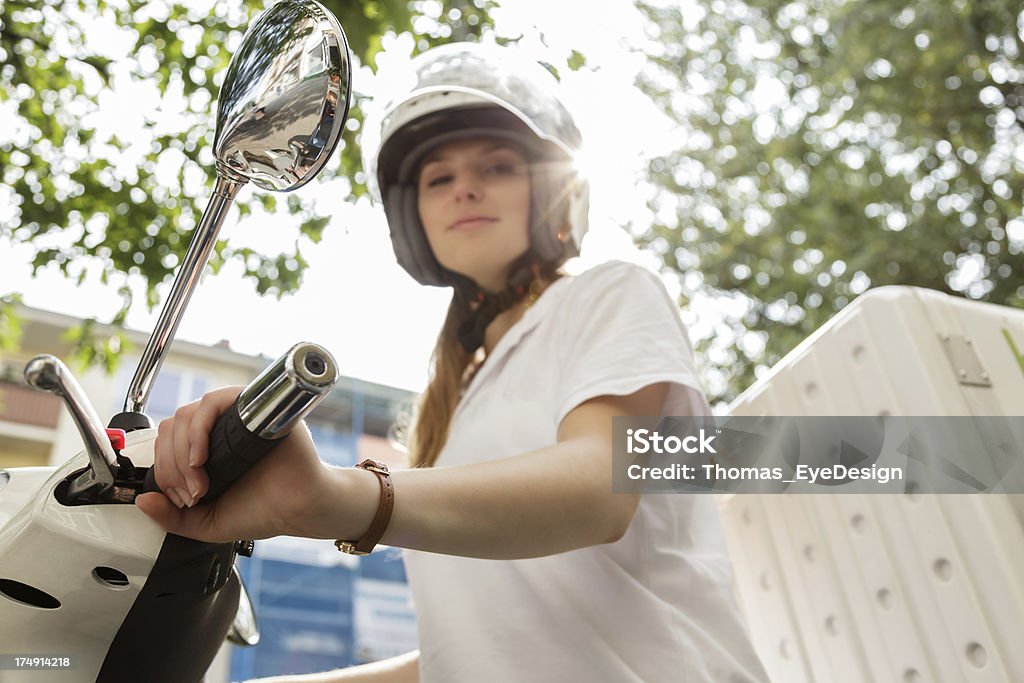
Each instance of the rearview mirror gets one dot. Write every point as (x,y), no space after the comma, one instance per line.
(285,97)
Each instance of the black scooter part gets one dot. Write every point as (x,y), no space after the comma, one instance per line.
(180,618)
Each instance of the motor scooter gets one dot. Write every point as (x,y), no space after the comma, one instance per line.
(91,589)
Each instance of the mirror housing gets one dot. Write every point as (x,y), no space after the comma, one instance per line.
(285,97)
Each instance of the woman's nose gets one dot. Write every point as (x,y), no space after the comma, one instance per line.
(467,187)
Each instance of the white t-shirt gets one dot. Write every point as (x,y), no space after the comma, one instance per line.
(657,605)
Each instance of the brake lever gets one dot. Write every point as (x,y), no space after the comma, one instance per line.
(48,373)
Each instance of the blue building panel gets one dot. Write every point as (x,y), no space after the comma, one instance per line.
(291,644)
(334,446)
(307,609)
(384,564)
(304,613)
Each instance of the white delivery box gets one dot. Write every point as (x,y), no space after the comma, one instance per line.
(911,588)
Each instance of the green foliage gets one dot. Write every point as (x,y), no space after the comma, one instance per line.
(89,347)
(577,61)
(832,145)
(10,326)
(78,195)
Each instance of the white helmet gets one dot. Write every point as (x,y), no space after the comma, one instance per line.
(466,90)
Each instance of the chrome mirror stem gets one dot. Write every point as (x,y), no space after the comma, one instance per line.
(198,255)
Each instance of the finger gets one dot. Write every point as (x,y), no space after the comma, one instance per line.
(202,420)
(182,427)
(211,406)
(167,475)
(197,523)
(198,483)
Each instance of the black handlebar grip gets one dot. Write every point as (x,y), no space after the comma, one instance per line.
(233,450)
(272,404)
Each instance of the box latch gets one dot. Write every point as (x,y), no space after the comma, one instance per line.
(964,358)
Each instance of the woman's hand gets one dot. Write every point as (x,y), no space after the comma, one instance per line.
(278,496)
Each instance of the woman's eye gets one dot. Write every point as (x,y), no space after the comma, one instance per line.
(503,168)
(439,180)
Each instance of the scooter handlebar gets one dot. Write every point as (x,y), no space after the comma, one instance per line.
(265,412)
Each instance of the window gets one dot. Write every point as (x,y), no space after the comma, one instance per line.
(174,387)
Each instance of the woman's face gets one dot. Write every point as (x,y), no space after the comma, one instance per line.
(474,203)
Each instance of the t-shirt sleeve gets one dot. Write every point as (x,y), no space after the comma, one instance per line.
(624,333)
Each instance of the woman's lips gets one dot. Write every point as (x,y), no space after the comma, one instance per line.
(470,223)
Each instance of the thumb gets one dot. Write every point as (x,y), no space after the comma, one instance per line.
(188,522)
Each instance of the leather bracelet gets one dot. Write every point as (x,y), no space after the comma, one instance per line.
(379,525)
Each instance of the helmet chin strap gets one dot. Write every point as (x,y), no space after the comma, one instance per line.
(524,271)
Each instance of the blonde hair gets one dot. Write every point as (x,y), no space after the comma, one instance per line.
(451,369)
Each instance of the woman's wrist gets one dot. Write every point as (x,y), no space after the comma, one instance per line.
(382,515)
(343,505)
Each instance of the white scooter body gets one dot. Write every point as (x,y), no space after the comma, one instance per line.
(56,549)
(89,577)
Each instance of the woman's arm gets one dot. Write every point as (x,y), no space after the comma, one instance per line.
(547,501)
(400,669)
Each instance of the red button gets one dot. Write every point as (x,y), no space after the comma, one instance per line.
(116,437)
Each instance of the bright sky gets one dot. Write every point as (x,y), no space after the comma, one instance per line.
(356,300)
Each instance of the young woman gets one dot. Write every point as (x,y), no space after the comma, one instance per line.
(523,565)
